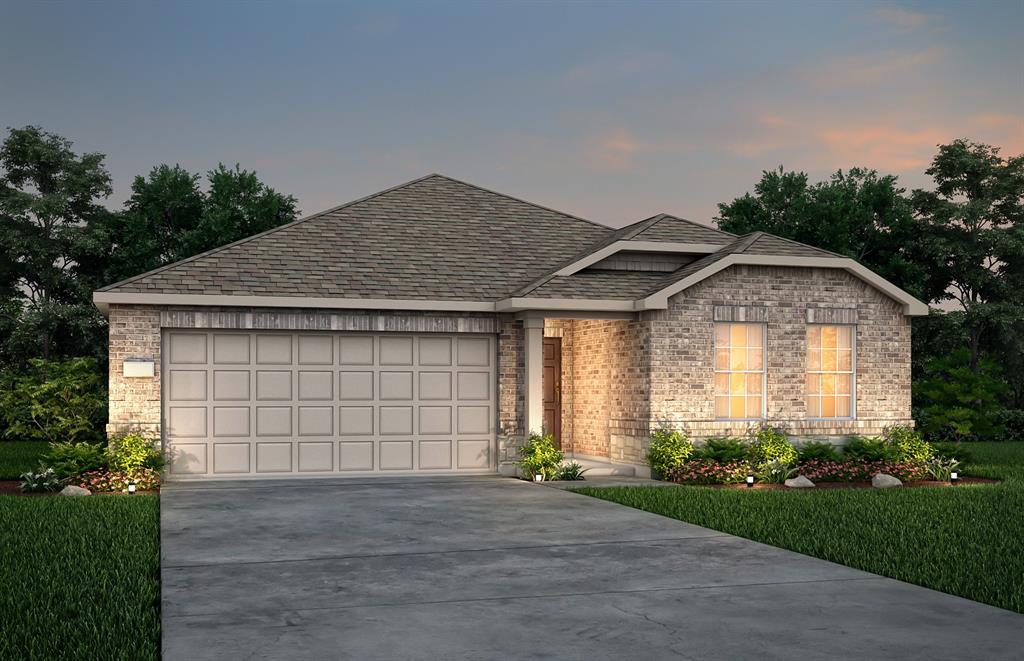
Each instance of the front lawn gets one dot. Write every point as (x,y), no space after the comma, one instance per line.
(966,540)
(16,457)
(80,577)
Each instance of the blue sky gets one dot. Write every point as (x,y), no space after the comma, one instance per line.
(612,111)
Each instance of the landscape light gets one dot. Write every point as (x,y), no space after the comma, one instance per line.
(953,477)
(131,487)
(750,481)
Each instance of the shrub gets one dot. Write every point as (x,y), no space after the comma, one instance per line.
(1011,421)
(865,448)
(111,481)
(724,450)
(905,444)
(40,481)
(958,401)
(708,471)
(952,451)
(940,468)
(570,472)
(771,446)
(72,459)
(539,456)
(131,452)
(55,401)
(776,472)
(817,450)
(669,450)
(859,470)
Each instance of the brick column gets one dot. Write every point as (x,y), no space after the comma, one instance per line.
(134,402)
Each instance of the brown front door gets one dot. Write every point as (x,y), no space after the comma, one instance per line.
(553,388)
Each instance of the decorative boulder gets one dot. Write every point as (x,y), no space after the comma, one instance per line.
(799,482)
(884,481)
(72,490)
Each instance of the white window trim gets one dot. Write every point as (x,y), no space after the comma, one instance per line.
(764,369)
(853,374)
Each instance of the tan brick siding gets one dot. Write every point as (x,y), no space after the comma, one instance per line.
(134,402)
(511,389)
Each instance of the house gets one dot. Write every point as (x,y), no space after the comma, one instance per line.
(429,327)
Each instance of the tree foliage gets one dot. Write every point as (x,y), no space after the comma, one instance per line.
(55,401)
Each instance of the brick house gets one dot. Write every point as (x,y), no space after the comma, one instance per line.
(429,327)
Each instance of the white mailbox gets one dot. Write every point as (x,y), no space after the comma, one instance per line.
(135,368)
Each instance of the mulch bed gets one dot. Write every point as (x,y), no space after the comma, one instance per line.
(13,488)
(847,485)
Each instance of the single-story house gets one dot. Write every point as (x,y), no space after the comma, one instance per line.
(431,326)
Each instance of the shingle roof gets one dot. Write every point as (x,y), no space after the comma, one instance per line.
(438,238)
(434,238)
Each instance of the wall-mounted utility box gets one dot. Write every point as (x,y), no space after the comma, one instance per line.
(135,368)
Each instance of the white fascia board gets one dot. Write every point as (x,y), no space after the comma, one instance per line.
(911,306)
(104,299)
(566,304)
(639,246)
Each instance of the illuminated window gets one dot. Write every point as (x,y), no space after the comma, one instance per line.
(739,371)
(830,372)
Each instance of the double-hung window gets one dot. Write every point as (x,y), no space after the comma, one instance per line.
(831,376)
(739,371)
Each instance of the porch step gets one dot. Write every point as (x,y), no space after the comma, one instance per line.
(605,469)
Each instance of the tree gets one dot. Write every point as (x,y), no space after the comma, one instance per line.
(960,400)
(973,238)
(169,218)
(857,213)
(49,196)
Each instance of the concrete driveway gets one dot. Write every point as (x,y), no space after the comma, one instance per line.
(487,568)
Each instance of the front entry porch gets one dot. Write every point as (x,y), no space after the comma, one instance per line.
(587,385)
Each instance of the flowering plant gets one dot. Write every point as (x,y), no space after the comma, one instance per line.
(109,481)
(859,470)
(704,471)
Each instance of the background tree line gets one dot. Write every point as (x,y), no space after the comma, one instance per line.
(959,247)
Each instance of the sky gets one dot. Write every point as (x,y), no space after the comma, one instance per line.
(610,111)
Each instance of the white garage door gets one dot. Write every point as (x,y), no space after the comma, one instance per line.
(283,403)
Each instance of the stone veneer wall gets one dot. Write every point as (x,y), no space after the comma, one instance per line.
(682,370)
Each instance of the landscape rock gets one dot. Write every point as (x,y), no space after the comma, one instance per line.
(799,482)
(885,481)
(72,490)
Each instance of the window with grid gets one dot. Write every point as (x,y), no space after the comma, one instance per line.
(830,372)
(739,371)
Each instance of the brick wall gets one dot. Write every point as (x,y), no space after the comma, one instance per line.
(134,402)
(682,371)
(511,389)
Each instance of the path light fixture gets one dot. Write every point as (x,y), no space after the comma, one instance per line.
(131,487)
(750,481)
(953,477)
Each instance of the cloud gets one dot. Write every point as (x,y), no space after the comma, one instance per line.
(866,70)
(903,19)
(885,147)
(611,151)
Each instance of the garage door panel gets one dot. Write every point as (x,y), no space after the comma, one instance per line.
(273,421)
(273,457)
(230,458)
(286,403)
(231,421)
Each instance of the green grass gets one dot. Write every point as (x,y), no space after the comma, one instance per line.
(16,457)
(967,540)
(80,578)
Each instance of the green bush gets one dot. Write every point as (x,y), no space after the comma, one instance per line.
(54,401)
(1011,421)
(817,450)
(775,472)
(771,446)
(539,456)
(940,469)
(867,448)
(952,451)
(111,481)
(958,401)
(40,481)
(724,450)
(669,449)
(905,444)
(570,472)
(130,452)
(68,460)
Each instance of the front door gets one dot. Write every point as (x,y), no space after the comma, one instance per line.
(553,388)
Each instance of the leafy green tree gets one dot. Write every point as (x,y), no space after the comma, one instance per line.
(55,401)
(973,239)
(49,196)
(960,400)
(169,218)
(857,213)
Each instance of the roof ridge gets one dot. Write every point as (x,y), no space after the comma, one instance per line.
(272,230)
(695,223)
(744,242)
(799,243)
(516,199)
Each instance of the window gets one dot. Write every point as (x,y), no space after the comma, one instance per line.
(739,371)
(830,372)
